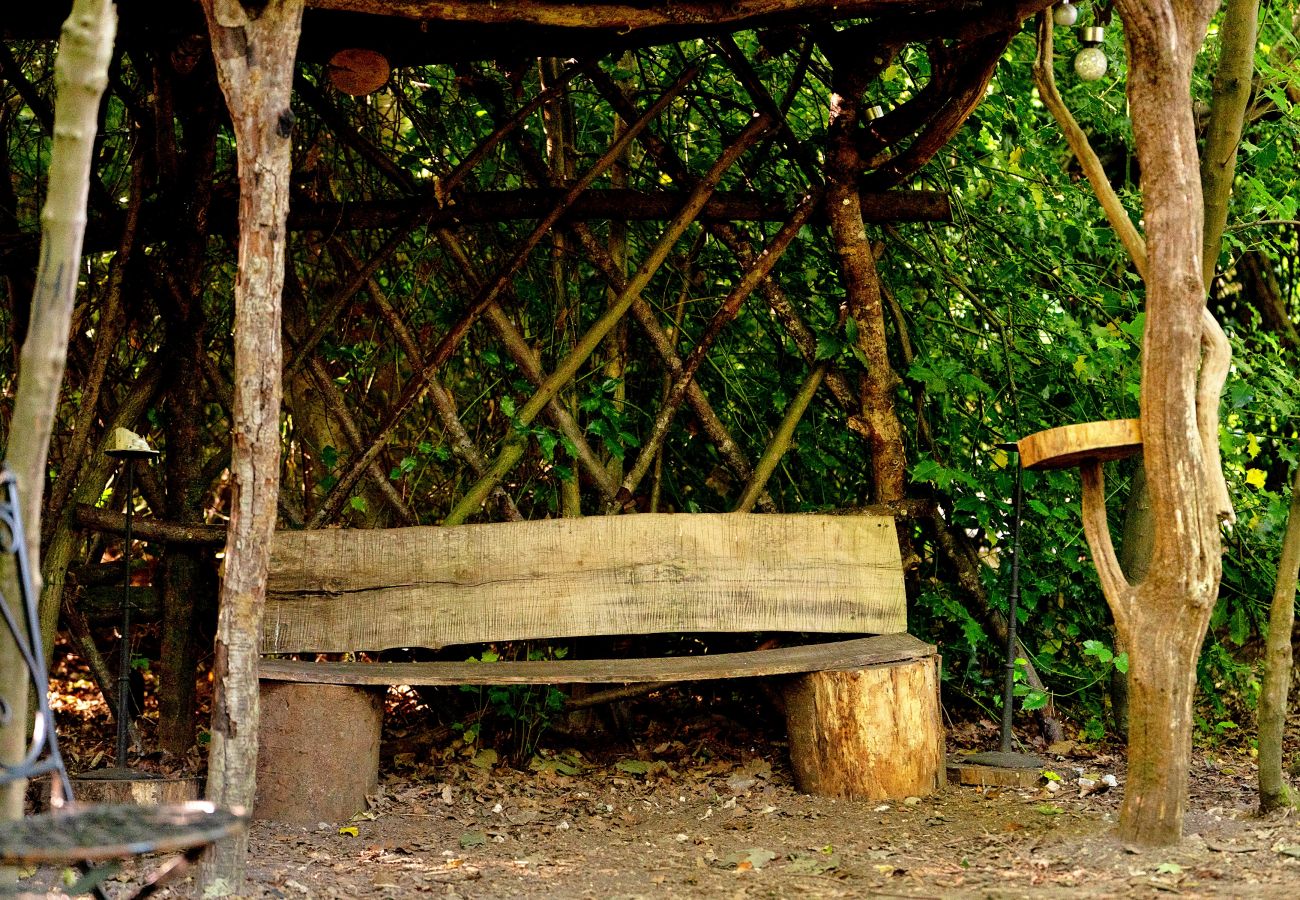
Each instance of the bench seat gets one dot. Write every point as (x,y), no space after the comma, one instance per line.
(862,712)
(861,653)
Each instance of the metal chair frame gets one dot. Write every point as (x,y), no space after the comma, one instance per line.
(183,828)
(43,755)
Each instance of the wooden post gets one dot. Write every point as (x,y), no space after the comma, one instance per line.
(254,48)
(867,734)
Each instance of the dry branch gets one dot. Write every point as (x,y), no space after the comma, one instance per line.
(725,314)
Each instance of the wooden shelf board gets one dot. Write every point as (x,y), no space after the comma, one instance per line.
(1072,445)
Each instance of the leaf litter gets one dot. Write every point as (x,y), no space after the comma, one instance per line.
(704,807)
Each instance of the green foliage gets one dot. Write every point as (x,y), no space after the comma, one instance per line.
(1021,314)
(522,712)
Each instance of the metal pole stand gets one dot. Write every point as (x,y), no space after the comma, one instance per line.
(1005,766)
(128,451)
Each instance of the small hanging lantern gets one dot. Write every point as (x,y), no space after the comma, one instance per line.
(1090,64)
(875,111)
(1065,14)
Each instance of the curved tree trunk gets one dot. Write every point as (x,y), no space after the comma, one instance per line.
(878,420)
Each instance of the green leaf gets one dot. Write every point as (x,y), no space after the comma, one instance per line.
(1035,699)
(1099,650)
(827,347)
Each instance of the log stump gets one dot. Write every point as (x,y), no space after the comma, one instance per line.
(867,734)
(318,753)
(88,787)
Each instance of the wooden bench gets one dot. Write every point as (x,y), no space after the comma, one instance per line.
(863,714)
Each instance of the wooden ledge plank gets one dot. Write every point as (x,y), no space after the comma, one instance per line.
(861,653)
(1071,445)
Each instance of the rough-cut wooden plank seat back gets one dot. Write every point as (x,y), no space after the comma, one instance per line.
(343,590)
(863,713)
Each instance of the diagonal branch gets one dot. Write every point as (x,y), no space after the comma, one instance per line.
(443,402)
(587,344)
(724,315)
(517,347)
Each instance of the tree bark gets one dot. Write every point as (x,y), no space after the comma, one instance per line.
(1163,618)
(1273,790)
(81,74)
(254,49)
(879,418)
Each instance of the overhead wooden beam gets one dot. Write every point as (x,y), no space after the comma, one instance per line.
(454,30)
(620,204)
(634,16)
(527,203)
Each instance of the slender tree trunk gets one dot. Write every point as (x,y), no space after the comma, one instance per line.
(254,49)
(1273,791)
(558,118)
(879,417)
(1232,84)
(81,74)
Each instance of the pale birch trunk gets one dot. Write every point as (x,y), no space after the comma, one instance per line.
(81,74)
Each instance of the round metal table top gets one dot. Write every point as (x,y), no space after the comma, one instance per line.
(103,831)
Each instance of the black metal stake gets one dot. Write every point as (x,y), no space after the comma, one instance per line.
(1005,756)
(1013,600)
(124,662)
(128,455)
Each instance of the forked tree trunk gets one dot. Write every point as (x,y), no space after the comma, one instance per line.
(81,74)
(254,47)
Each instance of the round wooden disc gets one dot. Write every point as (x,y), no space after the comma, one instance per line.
(358,71)
(1070,445)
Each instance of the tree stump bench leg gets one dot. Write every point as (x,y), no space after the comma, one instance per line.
(867,734)
(318,753)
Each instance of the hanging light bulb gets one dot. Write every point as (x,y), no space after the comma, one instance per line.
(1065,14)
(1090,64)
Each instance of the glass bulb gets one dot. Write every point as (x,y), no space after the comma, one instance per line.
(1065,14)
(1090,64)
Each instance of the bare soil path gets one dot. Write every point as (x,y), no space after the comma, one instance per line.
(695,805)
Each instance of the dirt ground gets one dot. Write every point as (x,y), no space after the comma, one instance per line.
(696,804)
